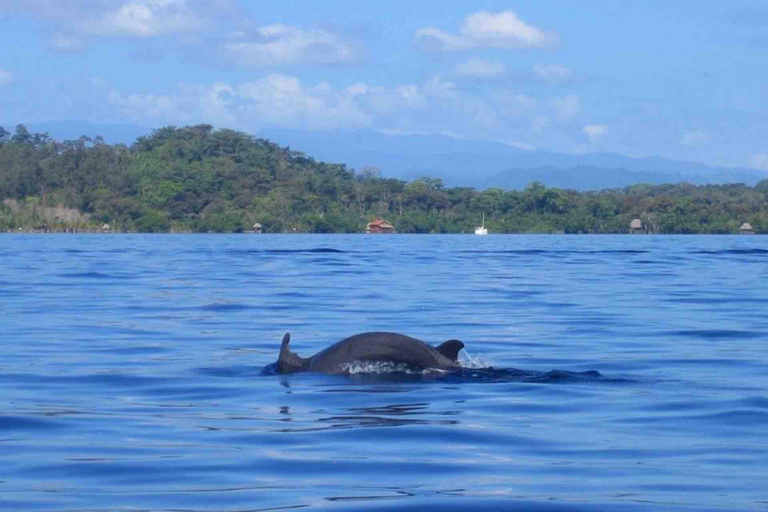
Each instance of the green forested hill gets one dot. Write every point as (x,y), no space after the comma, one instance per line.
(197,179)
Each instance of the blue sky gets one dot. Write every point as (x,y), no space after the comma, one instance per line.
(680,79)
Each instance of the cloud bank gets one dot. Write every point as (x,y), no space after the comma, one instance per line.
(220,25)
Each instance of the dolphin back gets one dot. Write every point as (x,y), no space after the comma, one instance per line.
(385,346)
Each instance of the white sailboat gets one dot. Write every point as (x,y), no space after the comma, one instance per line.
(481,230)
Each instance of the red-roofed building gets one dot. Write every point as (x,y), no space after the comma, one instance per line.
(379,226)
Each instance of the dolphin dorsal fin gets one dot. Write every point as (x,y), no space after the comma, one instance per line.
(450,349)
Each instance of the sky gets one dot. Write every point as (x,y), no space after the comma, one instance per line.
(682,79)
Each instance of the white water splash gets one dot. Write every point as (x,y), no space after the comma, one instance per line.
(383,367)
(474,363)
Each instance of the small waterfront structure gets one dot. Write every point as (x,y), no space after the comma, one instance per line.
(106,228)
(746,229)
(257,229)
(379,226)
(635,226)
(481,230)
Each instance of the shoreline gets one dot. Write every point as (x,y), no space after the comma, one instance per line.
(21,233)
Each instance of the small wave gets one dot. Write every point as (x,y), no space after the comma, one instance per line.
(556,253)
(232,371)
(758,402)
(400,372)
(87,275)
(236,306)
(716,334)
(737,417)
(518,251)
(733,251)
(24,423)
(501,375)
(316,250)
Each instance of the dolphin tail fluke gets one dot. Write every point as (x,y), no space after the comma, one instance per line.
(450,349)
(289,362)
(284,344)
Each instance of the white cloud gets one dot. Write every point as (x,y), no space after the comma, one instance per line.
(282,44)
(515,104)
(434,38)
(552,72)
(539,124)
(66,44)
(191,104)
(595,132)
(156,107)
(480,68)
(72,21)
(218,27)
(285,101)
(519,145)
(412,95)
(216,103)
(694,138)
(759,161)
(437,105)
(5,77)
(357,89)
(489,30)
(566,107)
(146,18)
(436,87)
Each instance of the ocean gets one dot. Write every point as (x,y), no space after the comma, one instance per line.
(625,373)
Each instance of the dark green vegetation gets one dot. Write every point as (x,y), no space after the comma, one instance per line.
(197,179)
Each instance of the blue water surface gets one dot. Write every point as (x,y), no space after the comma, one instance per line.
(130,373)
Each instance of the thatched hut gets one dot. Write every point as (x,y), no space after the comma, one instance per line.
(635,226)
(257,229)
(746,229)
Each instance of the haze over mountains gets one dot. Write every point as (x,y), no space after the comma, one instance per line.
(483,164)
(478,164)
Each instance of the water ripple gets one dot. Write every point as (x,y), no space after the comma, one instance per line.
(606,373)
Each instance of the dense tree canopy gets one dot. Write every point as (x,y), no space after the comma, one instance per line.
(197,179)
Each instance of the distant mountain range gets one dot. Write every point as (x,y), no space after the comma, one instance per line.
(483,164)
(478,164)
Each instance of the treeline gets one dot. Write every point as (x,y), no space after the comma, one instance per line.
(198,179)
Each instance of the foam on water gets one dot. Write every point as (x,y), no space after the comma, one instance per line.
(386,367)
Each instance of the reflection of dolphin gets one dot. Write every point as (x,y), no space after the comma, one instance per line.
(371,346)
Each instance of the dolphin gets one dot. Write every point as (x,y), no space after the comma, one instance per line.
(370,346)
